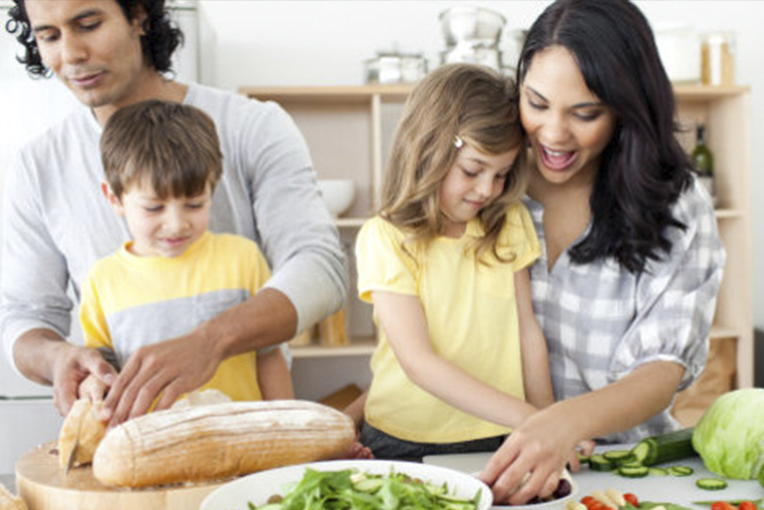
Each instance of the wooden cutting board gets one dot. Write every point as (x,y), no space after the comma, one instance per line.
(43,486)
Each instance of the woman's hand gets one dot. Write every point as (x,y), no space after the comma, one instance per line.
(538,449)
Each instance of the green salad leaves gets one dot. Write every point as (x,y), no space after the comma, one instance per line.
(350,489)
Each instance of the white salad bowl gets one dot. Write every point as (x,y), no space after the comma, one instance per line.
(258,487)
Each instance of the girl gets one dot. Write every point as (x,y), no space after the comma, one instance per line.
(461,359)
(631,258)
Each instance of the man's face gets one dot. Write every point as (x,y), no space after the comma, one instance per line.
(92,48)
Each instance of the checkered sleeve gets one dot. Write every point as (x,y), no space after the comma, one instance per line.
(676,295)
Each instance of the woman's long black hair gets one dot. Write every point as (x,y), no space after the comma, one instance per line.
(162,37)
(644,168)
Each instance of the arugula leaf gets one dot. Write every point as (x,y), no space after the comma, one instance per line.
(347,489)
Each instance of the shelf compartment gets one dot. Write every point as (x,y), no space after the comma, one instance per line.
(357,347)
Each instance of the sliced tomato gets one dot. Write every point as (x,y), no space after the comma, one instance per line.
(631,499)
(723,505)
(747,505)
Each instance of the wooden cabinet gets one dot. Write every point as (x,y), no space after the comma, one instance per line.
(726,112)
(349,130)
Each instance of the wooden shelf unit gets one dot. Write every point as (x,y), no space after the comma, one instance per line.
(349,129)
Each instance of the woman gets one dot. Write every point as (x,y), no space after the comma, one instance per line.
(632,261)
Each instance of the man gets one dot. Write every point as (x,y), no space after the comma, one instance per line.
(112,53)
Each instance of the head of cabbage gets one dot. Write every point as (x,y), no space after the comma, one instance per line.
(730,435)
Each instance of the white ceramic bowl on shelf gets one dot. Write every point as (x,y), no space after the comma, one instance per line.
(338,194)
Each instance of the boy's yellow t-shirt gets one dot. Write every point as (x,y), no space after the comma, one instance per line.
(130,301)
(471,316)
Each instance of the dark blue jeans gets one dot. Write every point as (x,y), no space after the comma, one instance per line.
(385,446)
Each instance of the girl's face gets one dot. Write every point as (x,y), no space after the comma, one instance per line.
(568,126)
(161,227)
(474,181)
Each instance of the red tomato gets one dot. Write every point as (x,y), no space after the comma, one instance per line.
(747,505)
(587,500)
(631,499)
(723,505)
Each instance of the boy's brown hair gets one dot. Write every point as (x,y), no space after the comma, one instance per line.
(172,146)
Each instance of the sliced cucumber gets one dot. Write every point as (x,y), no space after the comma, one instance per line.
(680,470)
(657,471)
(599,462)
(619,456)
(711,484)
(664,448)
(633,471)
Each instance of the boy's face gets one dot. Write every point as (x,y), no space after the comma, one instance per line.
(92,48)
(161,227)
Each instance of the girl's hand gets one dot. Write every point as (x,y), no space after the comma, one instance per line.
(539,449)
(358,451)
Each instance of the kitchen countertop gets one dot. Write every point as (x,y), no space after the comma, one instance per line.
(665,489)
(9,481)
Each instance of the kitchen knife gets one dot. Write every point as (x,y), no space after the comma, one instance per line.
(73,453)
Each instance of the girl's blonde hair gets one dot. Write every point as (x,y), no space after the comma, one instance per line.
(477,105)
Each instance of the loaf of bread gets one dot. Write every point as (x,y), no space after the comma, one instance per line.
(199,444)
(10,502)
(83,429)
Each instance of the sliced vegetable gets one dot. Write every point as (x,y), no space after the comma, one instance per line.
(680,470)
(711,484)
(664,448)
(722,505)
(619,456)
(747,505)
(631,499)
(599,462)
(633,471)
(657,471)
(733,502)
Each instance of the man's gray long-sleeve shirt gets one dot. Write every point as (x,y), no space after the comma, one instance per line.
(57,223)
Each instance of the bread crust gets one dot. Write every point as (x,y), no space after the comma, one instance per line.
(201,444)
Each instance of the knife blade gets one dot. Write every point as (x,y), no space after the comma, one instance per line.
(73,453)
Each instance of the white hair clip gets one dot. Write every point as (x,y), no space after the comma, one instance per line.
(458,142)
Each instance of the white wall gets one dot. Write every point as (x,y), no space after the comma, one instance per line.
(325,43)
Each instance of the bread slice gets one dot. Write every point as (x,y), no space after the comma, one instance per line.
(199,444)
(83,422)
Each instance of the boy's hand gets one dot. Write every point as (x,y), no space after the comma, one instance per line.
(93,389)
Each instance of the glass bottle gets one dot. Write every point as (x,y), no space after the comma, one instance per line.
(703,160)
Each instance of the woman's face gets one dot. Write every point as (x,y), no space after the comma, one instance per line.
(568,126)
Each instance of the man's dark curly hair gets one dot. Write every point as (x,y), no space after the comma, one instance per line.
(162,36)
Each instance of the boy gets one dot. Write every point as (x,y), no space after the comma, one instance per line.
(162,161)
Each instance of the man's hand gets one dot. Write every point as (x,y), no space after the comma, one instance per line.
(166,370)
(71,366)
